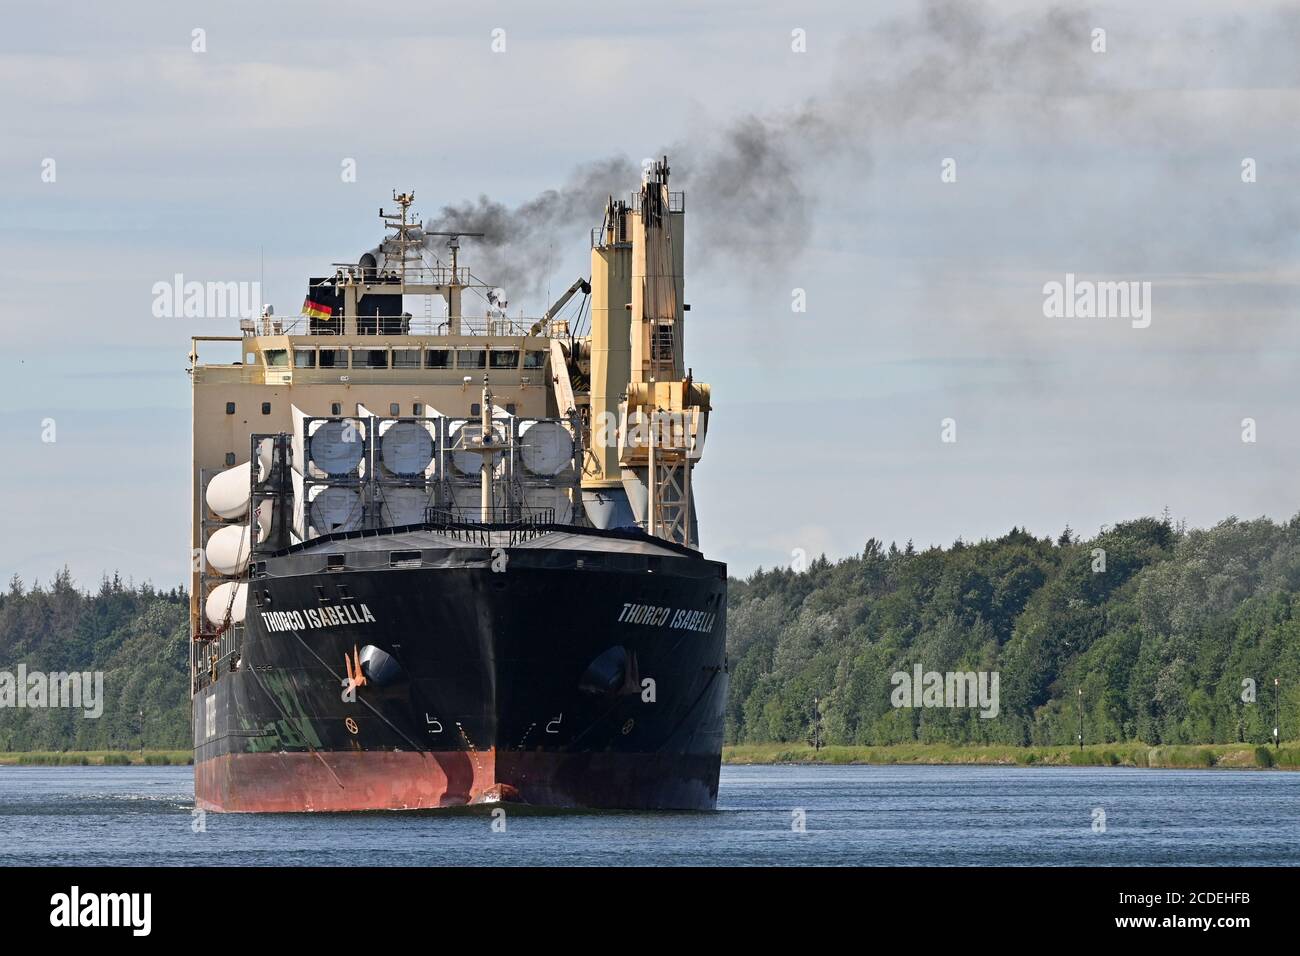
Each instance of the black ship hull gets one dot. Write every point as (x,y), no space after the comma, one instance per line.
(586,675)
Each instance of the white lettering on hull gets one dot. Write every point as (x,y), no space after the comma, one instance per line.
(310,619)
(677,619)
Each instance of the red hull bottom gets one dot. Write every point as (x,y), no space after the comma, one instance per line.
(336,781)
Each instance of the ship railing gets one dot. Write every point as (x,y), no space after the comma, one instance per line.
(376,325)
(227,646)
(467,523)
(426,274)
(601,237)
(368,325)
(676,201)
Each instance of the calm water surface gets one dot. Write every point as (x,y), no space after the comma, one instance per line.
(853,815)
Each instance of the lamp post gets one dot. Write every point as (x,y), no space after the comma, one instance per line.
(1079,697)
(1277,690)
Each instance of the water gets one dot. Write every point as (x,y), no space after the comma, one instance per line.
(854,815)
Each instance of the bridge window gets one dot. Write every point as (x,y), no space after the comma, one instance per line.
(471,358)
(370,358)
(437,358)
(304,358)
(505,358)
(406,358)
(277,358)
(534,359)
(333,358)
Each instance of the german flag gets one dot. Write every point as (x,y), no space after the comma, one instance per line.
(315,309)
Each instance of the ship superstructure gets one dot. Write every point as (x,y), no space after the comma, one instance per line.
(443,558)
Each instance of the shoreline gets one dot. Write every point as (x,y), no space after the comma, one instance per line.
(96,758)
(1164,756)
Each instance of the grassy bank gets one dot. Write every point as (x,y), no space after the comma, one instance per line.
(96,758)
(1194,756)
(1233,756)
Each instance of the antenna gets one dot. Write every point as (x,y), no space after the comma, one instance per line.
(453,243)
(407,234)
(550,248)
(261,288)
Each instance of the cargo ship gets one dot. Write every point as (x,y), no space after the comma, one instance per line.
(448,556)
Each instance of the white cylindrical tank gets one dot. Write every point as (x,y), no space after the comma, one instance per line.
(227,549)
(333,508)
(406,448)
(468,434)
(265,515)
(546,447)
(401,506)
(226,601)
(265,449)
(336,447)
(467,501)
(539,498)
(227,493)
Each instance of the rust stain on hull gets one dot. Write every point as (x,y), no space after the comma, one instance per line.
(338,781)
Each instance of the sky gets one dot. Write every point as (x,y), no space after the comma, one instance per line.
(916,173)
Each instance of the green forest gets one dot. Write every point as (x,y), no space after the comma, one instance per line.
(137,636)
(1164,630)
